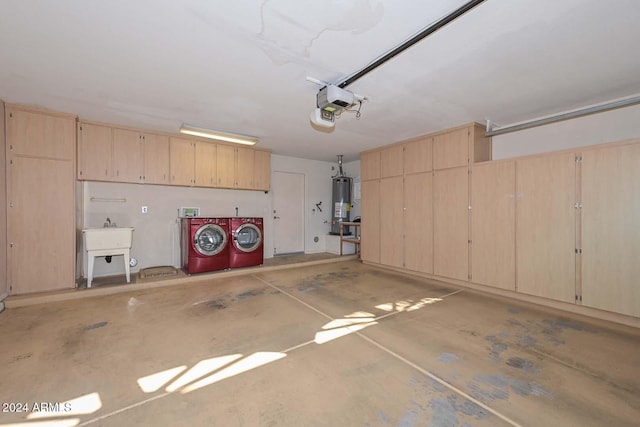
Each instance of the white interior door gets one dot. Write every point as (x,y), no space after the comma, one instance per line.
(288,212)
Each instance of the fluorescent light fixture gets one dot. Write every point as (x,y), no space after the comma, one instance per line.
(221,136)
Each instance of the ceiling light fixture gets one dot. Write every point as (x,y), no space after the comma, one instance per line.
(220,136)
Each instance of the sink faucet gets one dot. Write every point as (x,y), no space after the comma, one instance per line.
(107,223)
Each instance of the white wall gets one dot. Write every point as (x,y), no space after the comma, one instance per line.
(610,126)
(317,189)
(156,238)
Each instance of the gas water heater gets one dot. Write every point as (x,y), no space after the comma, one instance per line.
(341,201)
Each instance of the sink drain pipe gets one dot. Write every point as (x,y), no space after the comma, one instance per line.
(3,296)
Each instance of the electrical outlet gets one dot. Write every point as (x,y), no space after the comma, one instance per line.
(145,209)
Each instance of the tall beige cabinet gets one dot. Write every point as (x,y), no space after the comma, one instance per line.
(451,223)
(3,206)
(546,226)
(454,151)
(493,223)
(422,201)
(40,167)
(610,208)
(560,228)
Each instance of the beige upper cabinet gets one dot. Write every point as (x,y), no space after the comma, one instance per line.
(370,225)
(244,168)
(182,153)
(262,170)
(391,161)
(418,222)
(461,146)
(493,222)
(391,222)
(128,155)
(451,223)
(610,229)
(546,226)
(39,134)
(418,156)
(156,158)
(205,164)
(370,165)
(94,152)
(226,166)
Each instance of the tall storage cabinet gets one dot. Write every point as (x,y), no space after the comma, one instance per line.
(40,175)
(611,229)
(3,205)
(423,213)
(545,226)
(370,221)
(451,223)
(418,221)
(391,222)
(554,228)
(493,223)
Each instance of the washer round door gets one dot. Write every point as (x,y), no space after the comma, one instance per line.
(247,238)
(210,239)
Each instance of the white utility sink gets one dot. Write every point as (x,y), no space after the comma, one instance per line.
(107,241)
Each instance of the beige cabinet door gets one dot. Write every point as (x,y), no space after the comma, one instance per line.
(156,158)
(205,174)
(370,165)
(41,135)
(41,225)
(370,220)
(182,161)
(262,170)
(611,229)
(493,223)
(244,168)
(226,166)
(94,152)
(418,156)
(418,222)
(545,226)
(128,155)
(391,222)
(451,149)
(391,161)
(451,223)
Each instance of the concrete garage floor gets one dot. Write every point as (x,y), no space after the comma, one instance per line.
(340,344)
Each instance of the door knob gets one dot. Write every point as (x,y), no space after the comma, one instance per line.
(276,217)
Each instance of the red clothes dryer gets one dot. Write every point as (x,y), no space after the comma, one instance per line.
(204,244)
(247,242)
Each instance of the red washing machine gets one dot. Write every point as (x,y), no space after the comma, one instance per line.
(204,244)
(247,244)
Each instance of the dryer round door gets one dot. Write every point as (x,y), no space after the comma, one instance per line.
(209,240)
(247,238)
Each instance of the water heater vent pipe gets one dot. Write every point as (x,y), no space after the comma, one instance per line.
(340,171)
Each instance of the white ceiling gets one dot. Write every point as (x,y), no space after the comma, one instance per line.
(241,66)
